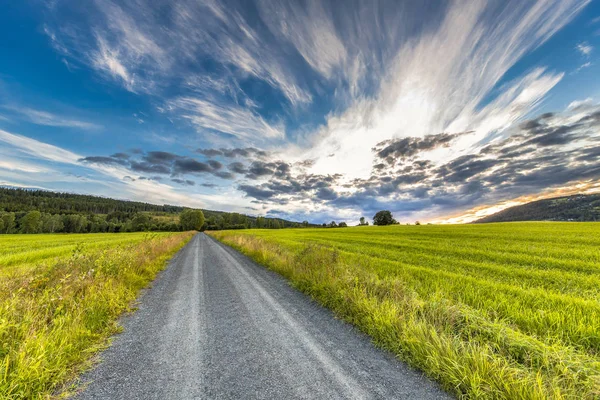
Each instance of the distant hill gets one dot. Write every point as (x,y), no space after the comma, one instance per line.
(20,201)
(581,207)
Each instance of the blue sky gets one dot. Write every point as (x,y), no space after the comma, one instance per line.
(303,109)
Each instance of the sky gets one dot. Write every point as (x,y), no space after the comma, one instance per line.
(441,111)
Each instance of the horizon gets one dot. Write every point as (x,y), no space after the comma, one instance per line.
(441,112)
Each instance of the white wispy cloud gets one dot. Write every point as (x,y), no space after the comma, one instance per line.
(38,149)
(16,165)
(46,118)
(584,48)
(242,122)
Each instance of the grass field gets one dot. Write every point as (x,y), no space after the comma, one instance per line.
(506,311)
(60,296)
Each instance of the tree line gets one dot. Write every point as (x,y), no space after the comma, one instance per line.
(40,211)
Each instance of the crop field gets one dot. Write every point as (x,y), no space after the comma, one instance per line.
(506,311)
(60,297)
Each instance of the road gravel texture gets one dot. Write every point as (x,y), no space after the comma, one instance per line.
(215,325)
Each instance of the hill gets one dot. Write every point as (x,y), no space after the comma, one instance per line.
(106,214)
(579,207)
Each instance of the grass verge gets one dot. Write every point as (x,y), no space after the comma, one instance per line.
(55,317)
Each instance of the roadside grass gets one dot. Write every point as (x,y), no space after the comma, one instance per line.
(60,300)
(500,311)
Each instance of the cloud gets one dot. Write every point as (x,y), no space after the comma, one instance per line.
(585,49)
(248,152)
(231,119)
(103,160)
(183,182)
(393,149)
(49,119)
(583,66)
(161,163)
(38,149)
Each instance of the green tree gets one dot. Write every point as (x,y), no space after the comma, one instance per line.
(383,217)
(51,223)
(74,223)
(30,223)
(8,222)
(332,224)
(141,222)
(191,219)
(343,225)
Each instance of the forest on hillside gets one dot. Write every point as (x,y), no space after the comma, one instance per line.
(581,208)
(40,211)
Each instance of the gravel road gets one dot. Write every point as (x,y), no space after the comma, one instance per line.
(215,325)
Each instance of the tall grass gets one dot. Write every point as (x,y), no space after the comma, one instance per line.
(503,311)
(55,316)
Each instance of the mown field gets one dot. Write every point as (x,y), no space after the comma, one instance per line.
(505,311)
(60,297)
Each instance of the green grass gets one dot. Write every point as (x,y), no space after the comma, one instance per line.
(502,311)
(60,297)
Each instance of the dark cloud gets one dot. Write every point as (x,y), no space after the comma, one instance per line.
(305,163)
(257,192)
(237,167)
(163,163)
(121,156)
(103,160)
(147,167)
(215,165)
(258,169)
(248,152)
(326,194)
(190,166)
(393,150)
(209,152)
(183,182)
(160,157)
(224,175)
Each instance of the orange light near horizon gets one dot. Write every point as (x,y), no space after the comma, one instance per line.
(476,213)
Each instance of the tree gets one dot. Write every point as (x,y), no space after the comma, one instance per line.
(30,223)
(51,223)
(362,221)
(141,222)
(343,225)
(74,223)
(417,223)
(332,224)
(383,217)
(8,222)
(191,219)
